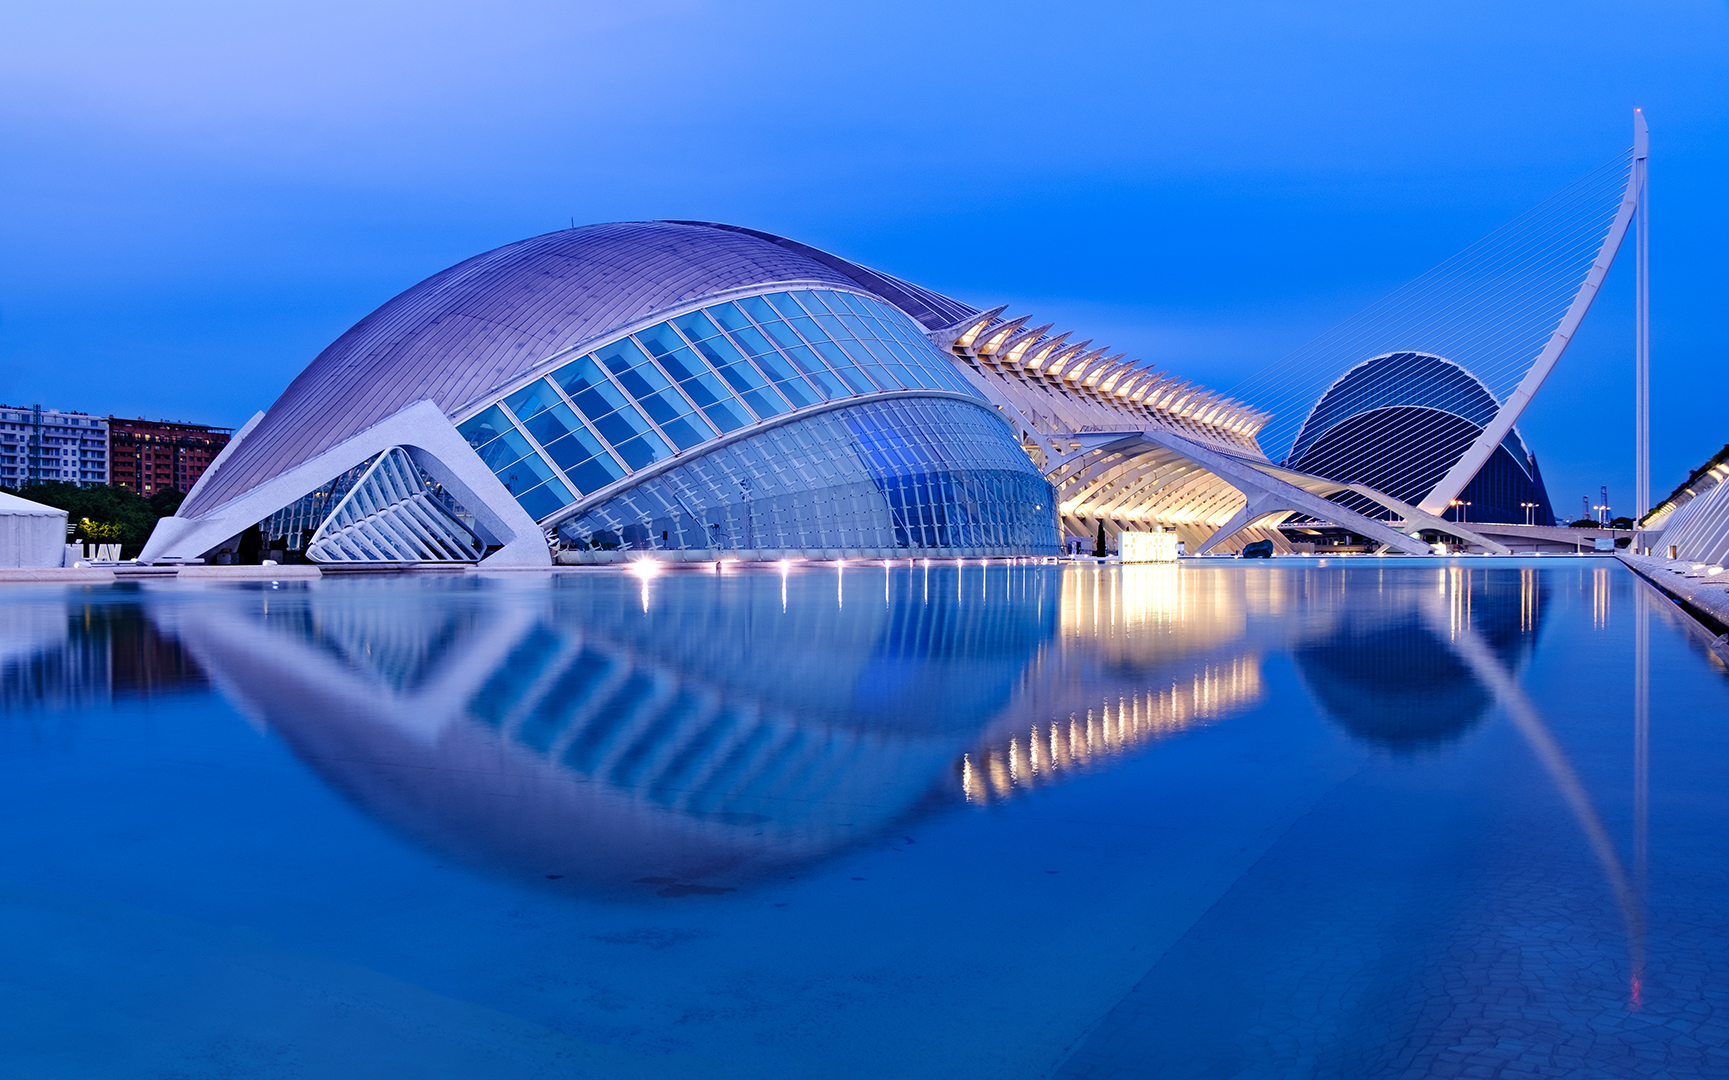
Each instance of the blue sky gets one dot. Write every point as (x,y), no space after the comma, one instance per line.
(199,197)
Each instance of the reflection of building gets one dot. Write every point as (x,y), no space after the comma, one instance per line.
(40,445)
(55,655)
(608,729)
(707,727)
(1380,665)
(148,456)
(1117,724)
(1146,652)
(1400,421)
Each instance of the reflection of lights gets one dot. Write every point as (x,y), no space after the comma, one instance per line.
(1042,755)
(1527,600)
(1152,594)
(646,570)
(1456,583)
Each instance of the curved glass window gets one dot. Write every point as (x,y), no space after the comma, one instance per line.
(686,381)
(901,477)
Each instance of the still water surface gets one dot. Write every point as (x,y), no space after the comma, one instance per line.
(1361,818)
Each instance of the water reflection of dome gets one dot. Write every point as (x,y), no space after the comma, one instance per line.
(1382,669)
(695,731)
(573,729)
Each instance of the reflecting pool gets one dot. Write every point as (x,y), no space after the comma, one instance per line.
(1361,817)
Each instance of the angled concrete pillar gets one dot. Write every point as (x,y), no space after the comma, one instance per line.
(430,439)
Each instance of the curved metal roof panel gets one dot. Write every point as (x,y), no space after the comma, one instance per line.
(933,310)
(485,321)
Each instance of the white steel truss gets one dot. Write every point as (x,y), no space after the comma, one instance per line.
(391,515)
(1140,449)
(1514,405)
(432,443)
(1508,307)
(1055,392)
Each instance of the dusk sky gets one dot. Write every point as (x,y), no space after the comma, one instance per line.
(200,197)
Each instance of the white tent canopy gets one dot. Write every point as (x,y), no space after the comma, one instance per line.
(31,535)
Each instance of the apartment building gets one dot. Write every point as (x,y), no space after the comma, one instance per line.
(149,456)
(40,445)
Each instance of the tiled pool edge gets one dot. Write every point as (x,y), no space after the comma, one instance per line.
(1704,598)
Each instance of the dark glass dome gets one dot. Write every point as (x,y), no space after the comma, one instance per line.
(1399,421)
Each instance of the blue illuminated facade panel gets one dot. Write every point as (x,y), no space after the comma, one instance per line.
(691,380)
(897,477)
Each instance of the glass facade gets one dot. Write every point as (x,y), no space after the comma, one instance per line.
(691,379)
(881,478)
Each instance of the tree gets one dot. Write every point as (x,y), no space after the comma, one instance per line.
(166,501)
(1621,523)
(1099,549)
(1584,523)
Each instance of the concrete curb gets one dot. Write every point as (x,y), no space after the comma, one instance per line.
(1690,584)
(249,573)
(62,575)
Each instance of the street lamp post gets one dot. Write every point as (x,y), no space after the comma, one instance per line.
(1454,507)
(1467,507)
(1530,512)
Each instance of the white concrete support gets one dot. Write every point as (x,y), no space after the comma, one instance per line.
(434,444)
